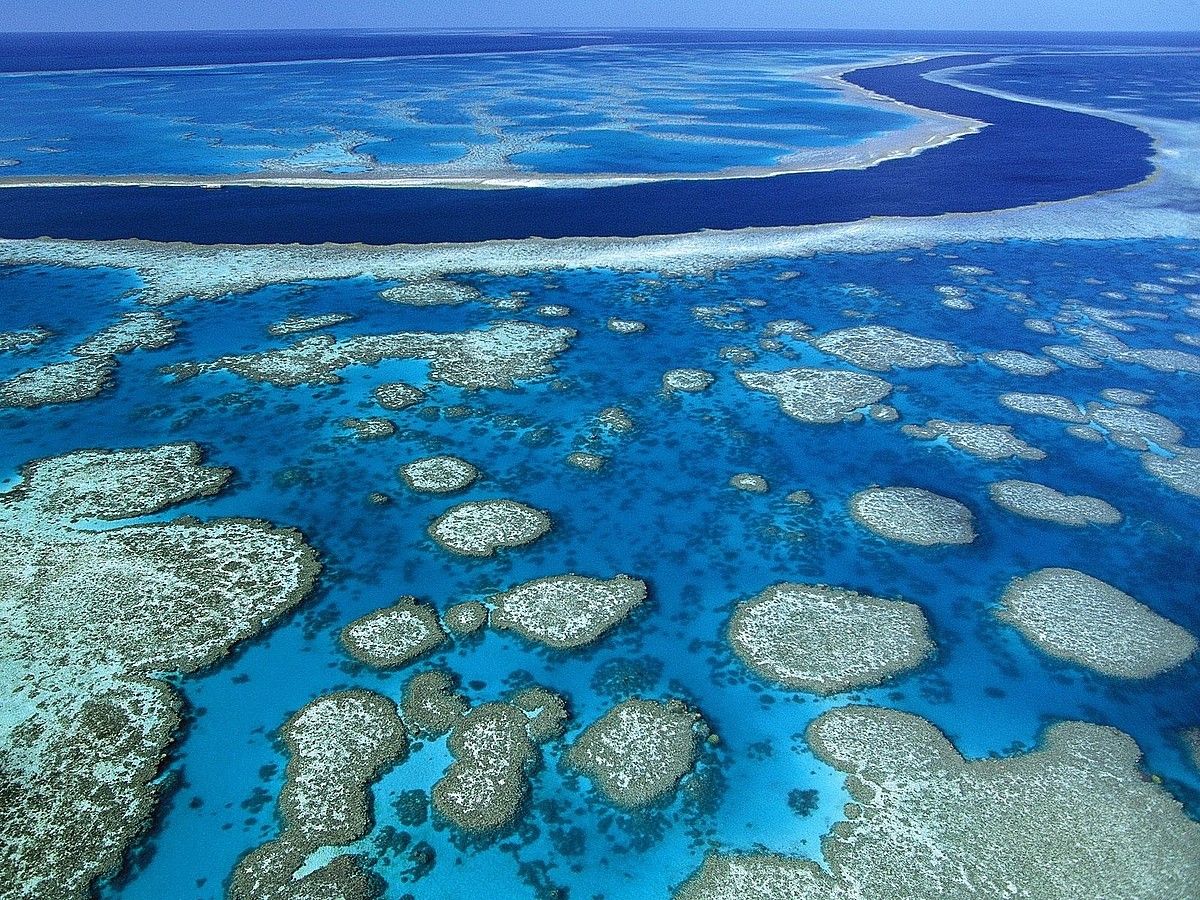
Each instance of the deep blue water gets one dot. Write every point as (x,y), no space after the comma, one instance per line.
(1161,85)
(66,51)
(662,511)
(1028,154)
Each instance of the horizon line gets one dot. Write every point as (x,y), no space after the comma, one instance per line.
(502,29)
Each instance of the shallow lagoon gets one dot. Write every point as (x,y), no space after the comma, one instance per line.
(603,110)
(661,509)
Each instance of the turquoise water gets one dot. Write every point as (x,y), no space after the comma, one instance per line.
(662,511)
(607,110)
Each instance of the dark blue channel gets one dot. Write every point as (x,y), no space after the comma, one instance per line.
(1028,154)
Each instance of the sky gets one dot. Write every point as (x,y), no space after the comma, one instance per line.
(1069,15)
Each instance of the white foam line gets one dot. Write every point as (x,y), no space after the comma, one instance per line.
(1165,205)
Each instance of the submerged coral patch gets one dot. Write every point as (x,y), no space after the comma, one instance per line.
(688,381)
(1039,501)
(1049,405)
(466,617)
(486,785)
(926,823)
(822,396)
(1073,616)
(117,484)
(980,439)
(300,324)
(431,292)
(637,752)
(90,620)
(92,365)
(439,474)
(882,348)
(398,395)
(565,611)
(913,515)
(750,483)
(496,356)
(1017,362)
(481,527)
(394,636)
(338,745)
(827,639)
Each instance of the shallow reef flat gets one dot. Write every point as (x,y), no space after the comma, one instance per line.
(637,752)
(913,515)
(1180,472)
(1048,405)
(117,484)
(688,381)
(750,483)
(924,822)
(819,396)
(530,113)
(1191,742)
(494,748)
(481,527)
(1017,362)
(1073,616)
(439,474)
(371,429)
(492,357)
(300,324)
(589,462)
(525,667)
(826,640)
(1125,425)
(983,440)
(487,783)
(23,339)
(92,620)
(92,365)
(881,348)
(431,292)
(466,617)
(394,636)
(566,611)
(398,395)
(337,745)
(431,704)
(1040,501)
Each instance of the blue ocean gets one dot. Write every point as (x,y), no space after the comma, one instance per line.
(662,507)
